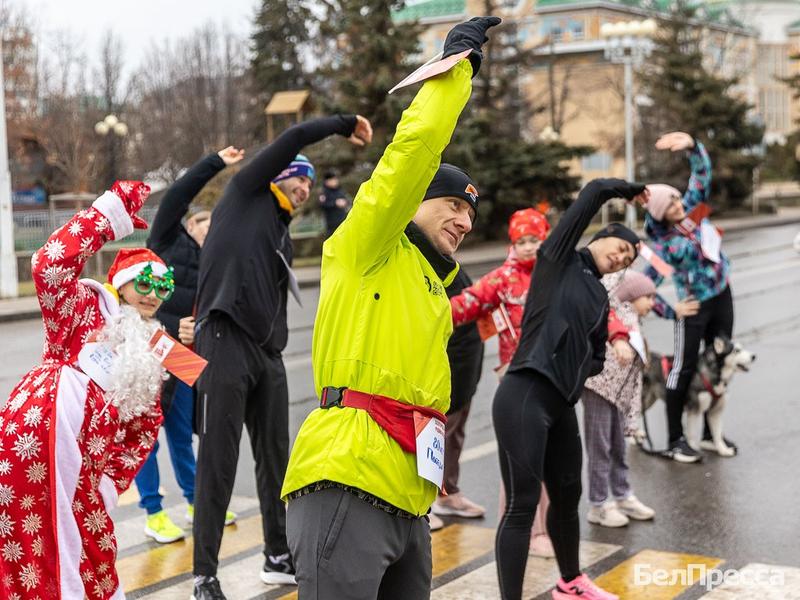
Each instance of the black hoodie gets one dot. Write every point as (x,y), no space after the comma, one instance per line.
(564,328)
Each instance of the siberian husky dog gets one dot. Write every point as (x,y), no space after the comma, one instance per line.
(707,392)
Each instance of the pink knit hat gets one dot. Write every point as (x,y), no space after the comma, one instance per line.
(635,285)
(661,196)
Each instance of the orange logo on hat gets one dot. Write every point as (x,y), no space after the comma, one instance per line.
(472,191)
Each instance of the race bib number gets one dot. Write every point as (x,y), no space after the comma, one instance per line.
(710,242)
(96,359)
(430,448)
(636,340)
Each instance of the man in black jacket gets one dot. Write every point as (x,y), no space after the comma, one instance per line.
(465,355)
(241,329)
(333,202)
(179,246)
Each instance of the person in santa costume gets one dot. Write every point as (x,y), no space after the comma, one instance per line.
(75,430)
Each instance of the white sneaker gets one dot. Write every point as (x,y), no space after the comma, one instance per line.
(457,505)
(435,522)
(633,508)
(607,515)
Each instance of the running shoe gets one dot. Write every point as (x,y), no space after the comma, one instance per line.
(161,528)
(278,570)
(581,587)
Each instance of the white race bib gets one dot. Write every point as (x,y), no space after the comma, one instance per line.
(96,360)
(430,448)
(636,340)
(294,286)
(710,241)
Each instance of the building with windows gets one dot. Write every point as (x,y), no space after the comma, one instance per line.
(581,90)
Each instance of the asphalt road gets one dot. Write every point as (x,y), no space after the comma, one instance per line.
(743,509)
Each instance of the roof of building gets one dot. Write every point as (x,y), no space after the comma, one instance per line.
(430,9)
(715,11)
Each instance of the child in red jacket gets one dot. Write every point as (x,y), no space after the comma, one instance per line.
(503,291)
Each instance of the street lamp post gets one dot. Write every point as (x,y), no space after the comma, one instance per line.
(8,258)
(111,125)
(629,43)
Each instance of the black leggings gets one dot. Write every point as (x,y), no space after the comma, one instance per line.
(539,441)
(714,318)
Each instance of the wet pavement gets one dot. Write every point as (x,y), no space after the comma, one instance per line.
(726,513)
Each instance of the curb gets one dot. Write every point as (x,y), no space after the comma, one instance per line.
(20,316)
(307,283)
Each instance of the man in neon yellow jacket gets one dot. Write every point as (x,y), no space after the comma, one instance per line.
(356,502)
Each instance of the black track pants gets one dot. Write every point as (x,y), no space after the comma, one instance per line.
(539,441)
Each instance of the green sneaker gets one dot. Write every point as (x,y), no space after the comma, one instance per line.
(230,516)
(161,528)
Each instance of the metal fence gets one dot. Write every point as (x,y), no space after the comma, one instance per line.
(33,227)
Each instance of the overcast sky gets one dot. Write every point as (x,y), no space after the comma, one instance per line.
(136,22)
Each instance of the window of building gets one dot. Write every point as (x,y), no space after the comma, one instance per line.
(599,161)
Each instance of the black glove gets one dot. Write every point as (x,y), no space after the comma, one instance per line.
(470,35)
(611,187)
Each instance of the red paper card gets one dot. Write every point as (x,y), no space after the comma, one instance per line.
(694,218)
(177,358)
(486,327)
(661,267)
(431,69)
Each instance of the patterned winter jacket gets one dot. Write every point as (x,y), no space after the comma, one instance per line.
(620,384)
(695,275)
(507,286)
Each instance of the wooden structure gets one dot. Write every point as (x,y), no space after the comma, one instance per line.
(296,103)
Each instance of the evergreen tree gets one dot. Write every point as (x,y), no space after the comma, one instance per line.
(281,36)
(363,54)
(687,97)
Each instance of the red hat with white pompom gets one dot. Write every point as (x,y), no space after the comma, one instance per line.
(130,262)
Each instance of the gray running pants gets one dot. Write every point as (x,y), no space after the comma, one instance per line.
(347,549)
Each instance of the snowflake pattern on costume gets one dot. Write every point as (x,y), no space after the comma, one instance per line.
(28,505)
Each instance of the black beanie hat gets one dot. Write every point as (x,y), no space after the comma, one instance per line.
(452,181)
(618,230)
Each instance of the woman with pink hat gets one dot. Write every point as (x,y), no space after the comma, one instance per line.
(702,271)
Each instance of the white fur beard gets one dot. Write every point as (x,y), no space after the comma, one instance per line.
(137,374)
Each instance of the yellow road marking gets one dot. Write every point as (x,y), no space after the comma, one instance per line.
(655,575)
(151,566)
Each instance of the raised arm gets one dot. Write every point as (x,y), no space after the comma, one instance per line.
(175,203)
(270,161)
(577,217)
(388,200)
(699,187)
(56,267)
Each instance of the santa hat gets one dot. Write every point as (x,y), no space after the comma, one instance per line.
(130,262)
(527,222)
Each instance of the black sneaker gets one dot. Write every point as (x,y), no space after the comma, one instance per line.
(682,452)
(278,570)
(208,589)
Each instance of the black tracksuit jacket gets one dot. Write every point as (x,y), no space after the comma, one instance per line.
(565,325)
(169,239)
(242,270)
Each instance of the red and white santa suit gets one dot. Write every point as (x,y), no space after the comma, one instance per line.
(66,451)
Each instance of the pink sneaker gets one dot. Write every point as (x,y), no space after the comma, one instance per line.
(581,587)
